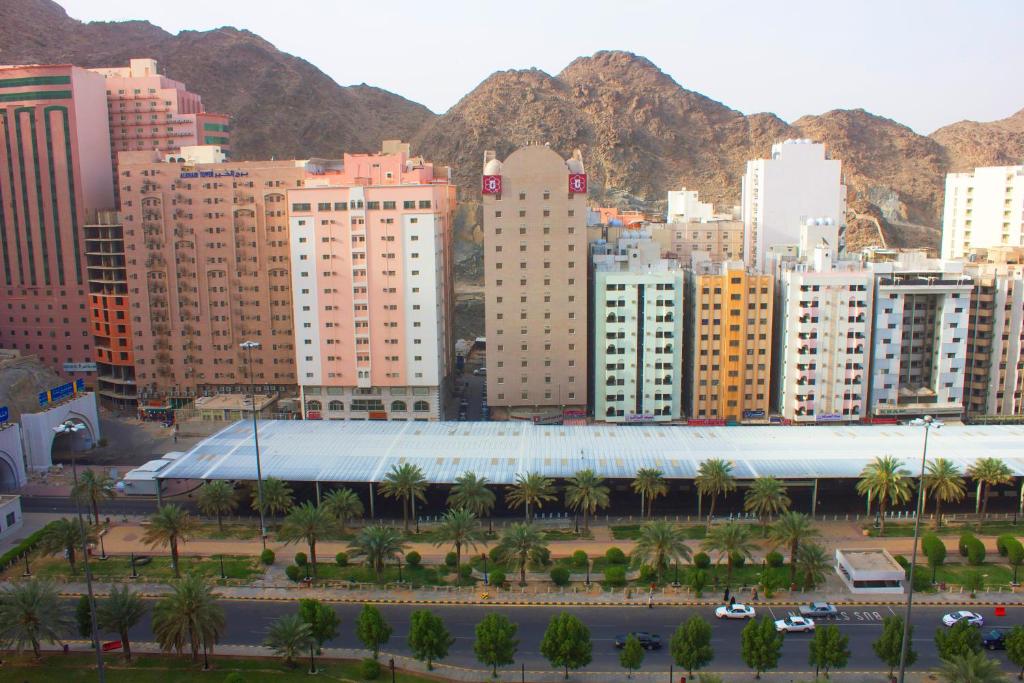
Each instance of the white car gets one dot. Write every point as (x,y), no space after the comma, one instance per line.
(793,624)
(972,618)
(735,611)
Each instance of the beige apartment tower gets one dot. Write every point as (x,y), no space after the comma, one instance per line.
(535,269)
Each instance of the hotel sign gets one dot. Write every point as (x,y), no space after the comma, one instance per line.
(214,174)
(828,417)
(578,183)
(491,184)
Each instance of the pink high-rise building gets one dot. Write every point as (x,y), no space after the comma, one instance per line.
(55,174)
(372,284)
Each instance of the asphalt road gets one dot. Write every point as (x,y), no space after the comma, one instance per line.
(247,622)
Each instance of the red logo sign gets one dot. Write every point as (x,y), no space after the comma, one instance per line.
(313,415)
(491,184)
(578,183)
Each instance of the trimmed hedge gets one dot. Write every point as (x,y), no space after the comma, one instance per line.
(27,545)
(1001,543)
(615,575)
(413,558)
(975,552)
(293,572)
(369,669)
(934,549)
(301,559)
(267,557)
(701,560)
(614,555)
(496,579)
(560,576)
(965,538)
(737,560)
(341,559)
(579,558)
(775,559)
(451,559)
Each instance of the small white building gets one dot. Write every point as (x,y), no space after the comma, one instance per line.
(983,209)
(870,570)
(10,515)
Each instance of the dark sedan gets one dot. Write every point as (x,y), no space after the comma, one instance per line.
(648,641)
(994,640)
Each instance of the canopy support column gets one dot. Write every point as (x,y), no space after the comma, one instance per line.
(159,497)
(371,500)
(814,500)
(318,493)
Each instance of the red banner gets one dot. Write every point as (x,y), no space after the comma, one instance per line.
(491,184)
(312,414)
(578,183)
(112,645)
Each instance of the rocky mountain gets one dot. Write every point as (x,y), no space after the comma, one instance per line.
(968,144)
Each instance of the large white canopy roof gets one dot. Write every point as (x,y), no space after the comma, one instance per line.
(350,451)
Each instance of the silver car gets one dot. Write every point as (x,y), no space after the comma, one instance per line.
(819,610)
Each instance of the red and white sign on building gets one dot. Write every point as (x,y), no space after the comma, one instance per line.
(491,184)
(578,183)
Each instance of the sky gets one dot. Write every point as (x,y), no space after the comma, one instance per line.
(924,63)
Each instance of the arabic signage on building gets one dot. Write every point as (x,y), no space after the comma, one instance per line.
(64,391)
(214,174)
(5,414)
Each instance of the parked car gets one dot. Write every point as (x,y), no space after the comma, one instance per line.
(793,624)
(648,641)
(735,611)
(994,640)
(819,610)
(972,618)
(480,371)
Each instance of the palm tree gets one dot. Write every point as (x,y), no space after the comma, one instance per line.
(886,481)
(530,491)
(730,540)
(190,615)
(31,612)
(289,636)
(64,536)
(405,482)
(167,527)
(586,491)
(277,496)
(459,527)
(91,487)
(944,481)
(766,496)
(714,477)
(379,544)
(813,563)
(973,667)
(988,472)
(519,544)
(470,492)
(660,543)
(217,498)
(120,613)
(307,522)
(344,504)
(649,483)
(790,529)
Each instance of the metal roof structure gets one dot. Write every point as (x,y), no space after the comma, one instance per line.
(357,451)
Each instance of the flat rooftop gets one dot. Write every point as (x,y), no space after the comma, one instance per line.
(871,560)
(364,451)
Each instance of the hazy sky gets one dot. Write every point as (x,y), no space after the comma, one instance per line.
(925,63)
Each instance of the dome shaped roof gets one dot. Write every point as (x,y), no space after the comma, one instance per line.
(493,167)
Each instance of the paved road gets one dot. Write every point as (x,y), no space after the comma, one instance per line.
(247,622)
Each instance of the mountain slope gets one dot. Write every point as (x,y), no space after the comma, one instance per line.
(968,144)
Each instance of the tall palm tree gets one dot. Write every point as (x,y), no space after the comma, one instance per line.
(190,615)
(729,540)
(470,492)
(530,491)
(586,492)
(277,497)
(119,613)
(379,544)
(813,564)
(945,483)
(344,504)
(461,528)
(308,523)
(169,526)
(988,472)
(519,544)
(289,636)
(766,496)
(64,536)
(660,543)
(790,530)
(886,481)
(649,483)
(407,483)
(217,498)
(714,477)
(91,488)
(973,667)
(31,612)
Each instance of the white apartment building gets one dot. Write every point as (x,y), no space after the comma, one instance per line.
(798,182)
(685,206)
(983,209)
(637,304)
(919,337)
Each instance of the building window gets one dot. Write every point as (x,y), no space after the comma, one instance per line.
(398,407)
(421,406)
(313,405)
(335,405)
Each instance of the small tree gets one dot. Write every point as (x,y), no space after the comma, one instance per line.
(632,655)
(372,630)
(1015,648)
(289,637)
(936,554)
(888,646)
(961,639)
(691,644)
(829,649)
(322,619)
(566,643)
(120,613)
(429,640)
(761,645)
(496,642)
(1015,556)
(83,617)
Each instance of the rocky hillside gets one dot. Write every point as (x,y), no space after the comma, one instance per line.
(968,144)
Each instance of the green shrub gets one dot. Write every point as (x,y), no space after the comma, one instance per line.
(560,576)
(234,677)
(928,542)
(341,559)
(975,552)
(1001,543)
(922,581)
(293,572)
(492,553)
(465,571)
(648,574)
(413,558)
(902,561)
(301,559)
(737,560)
(267,557)
(614,555)
(496,579)
(369,669)
(965,538)
(701,561)
(775,559)
(542,557)
(615,575)
(451,559)
(15,553)
(579,558)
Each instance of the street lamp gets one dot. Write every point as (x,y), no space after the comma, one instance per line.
(391,663)
(929,423)
(248,346)
(483,556)
(71,427)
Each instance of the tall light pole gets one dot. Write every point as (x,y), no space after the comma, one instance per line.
(248,347)
(72,428)
(929,423)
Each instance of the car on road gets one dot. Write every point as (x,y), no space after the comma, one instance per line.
(792,624)
(480,371)
(994,640)
(972,618)
(648,641)
(819,610)
(735,611)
